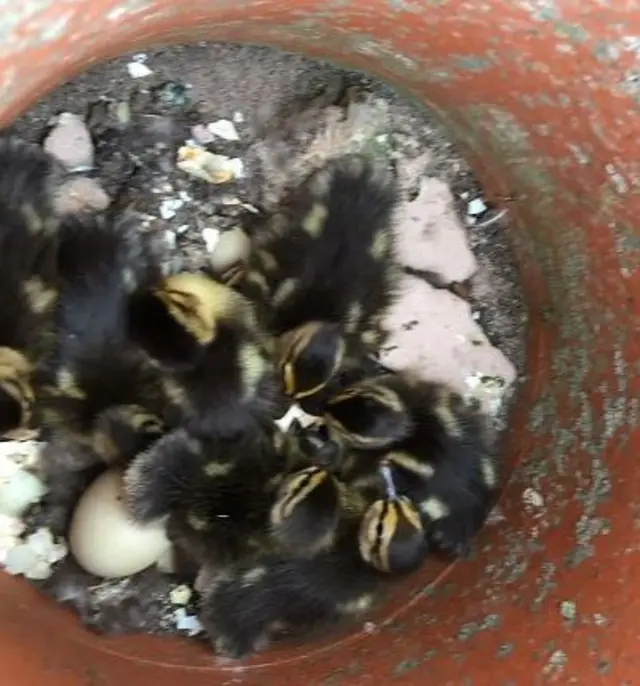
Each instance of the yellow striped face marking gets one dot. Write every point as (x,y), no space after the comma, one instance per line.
(295,490)
(382,524)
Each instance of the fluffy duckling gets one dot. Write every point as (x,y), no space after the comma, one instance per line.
(325,271)
(28,276)
(103,390)
(216,492)
(278,597)
(392,537)
(434,442)
(206,337)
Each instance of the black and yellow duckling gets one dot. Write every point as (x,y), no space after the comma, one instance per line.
(434,442)
(103,390)
(216,492)
(392,537)
(305,515)
(206,338)
(28,276)
(325,269)
(282,597)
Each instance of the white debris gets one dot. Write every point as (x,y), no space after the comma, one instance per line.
(24,453)
(19,487)
(223,128)
(207,166)
(170,239)
(189,623)
(211,238)
(238,117)
(294,412)
(489,390)
(532,498)
(138,70)
(19,491)
(183,228)
(11,528)
(180,595)
(201,134)
(169,207)
(34,557)
(476,207)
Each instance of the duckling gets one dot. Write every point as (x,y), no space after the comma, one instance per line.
(207,339)
(28,276)
(278,596)
(306,512)
(216,492)
(435,443)
(324,269)
(392,537)
(104,399)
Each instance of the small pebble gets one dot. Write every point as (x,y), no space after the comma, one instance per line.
(476,207)
(138,70)
(181,595)
(81,194)
(170,239)
(223,128)
(211,238)
(201,134)
(238,117)
(70,142)
(169,207)
(189,623)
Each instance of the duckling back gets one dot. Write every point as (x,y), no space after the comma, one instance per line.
(96,366)
(328,255)
(28,274)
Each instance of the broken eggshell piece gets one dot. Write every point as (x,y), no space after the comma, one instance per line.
(208,166)
(104,538)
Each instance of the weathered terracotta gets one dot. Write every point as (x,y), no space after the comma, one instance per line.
(545,96)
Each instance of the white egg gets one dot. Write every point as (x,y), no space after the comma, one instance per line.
(232,246)
(103,537)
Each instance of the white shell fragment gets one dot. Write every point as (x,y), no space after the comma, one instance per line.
(189,623)
(34,557)
(19,487)
(231,247)
(11,528)
(103,537)
(19,492)
(70,143)
(207,166)
(223,128)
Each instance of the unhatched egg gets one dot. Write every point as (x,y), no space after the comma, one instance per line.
(232,247)
(103,537)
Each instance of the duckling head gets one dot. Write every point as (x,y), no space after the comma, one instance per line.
(304,517)
(392,538)
(16,393)
(368,416)
(310,356)
(179,319)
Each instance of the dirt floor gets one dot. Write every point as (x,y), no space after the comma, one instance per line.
(140,109)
